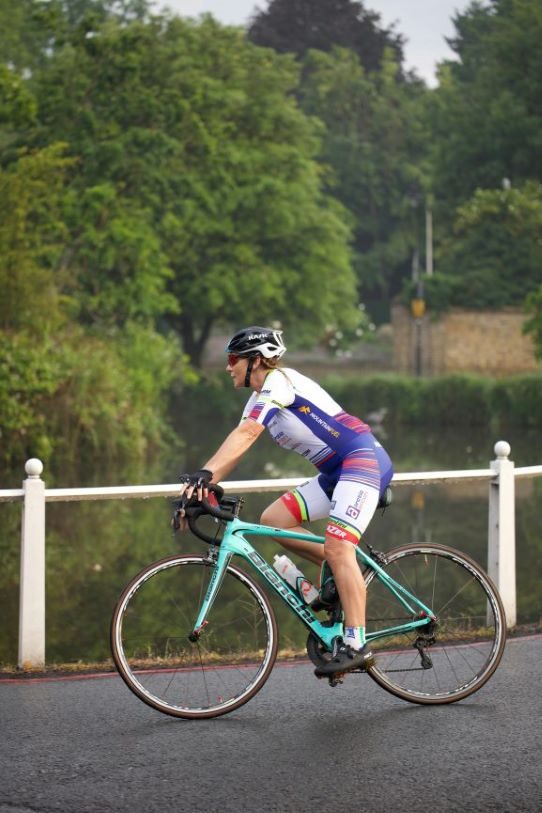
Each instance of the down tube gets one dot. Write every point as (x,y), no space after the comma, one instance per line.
(243,547)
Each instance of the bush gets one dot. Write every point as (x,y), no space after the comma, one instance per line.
(455,399)
(518,400)
(398,395)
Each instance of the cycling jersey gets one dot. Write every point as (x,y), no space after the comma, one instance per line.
(301,416)
(354,468)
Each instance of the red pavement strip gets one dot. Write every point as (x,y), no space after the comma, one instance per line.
(94,676)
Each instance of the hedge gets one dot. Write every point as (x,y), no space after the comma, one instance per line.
(402,400)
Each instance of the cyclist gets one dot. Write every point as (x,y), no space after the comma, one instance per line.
(353,472)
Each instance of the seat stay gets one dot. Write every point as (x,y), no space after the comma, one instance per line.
(401,593)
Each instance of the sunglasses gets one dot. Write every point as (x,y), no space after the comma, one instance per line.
(233,358)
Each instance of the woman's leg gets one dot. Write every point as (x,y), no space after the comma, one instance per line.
(341,557)
(355,500)
(279,515)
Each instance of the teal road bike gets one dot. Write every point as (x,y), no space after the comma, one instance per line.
(195,635)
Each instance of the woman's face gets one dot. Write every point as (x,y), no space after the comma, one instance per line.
(237,368)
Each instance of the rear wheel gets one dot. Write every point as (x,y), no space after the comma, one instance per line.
(447,660)
(215,674)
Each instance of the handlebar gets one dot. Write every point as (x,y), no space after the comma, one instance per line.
(226,510)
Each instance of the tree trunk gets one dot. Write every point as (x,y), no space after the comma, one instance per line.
(194,340)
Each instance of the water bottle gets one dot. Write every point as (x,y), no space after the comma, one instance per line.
(295,578)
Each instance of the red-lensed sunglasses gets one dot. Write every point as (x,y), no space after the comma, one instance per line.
(233,358)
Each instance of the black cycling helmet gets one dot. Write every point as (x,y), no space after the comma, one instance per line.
(256,340)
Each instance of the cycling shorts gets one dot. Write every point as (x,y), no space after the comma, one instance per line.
(349,495)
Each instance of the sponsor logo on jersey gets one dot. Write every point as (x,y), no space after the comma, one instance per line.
(360,500)
(334,531)
(307,411)
(352,512)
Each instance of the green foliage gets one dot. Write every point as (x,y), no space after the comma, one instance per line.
(518,400)
(31,239)
(17,105)
(297,26)
(533,325)
(361,395)
(202,171)
(29,375)
(494,257)
(487,118)
(456,400)
(121,270)
(158,173)
(374,143)
(79,398)
(447,400)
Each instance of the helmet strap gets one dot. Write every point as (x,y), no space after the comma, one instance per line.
(249,371)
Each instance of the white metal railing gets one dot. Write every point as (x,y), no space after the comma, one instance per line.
(500,475)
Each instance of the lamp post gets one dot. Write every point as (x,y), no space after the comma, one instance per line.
(417,307)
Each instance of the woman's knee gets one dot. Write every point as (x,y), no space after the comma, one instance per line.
(338,550)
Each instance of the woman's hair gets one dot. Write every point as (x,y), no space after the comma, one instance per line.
(271,364)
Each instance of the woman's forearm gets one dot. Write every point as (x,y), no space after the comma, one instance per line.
(232,449)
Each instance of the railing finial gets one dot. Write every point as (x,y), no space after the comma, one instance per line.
(502,449)
(33,467)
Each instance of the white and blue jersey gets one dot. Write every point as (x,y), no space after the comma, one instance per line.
(300,415)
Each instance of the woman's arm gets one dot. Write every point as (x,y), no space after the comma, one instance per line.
(234,447)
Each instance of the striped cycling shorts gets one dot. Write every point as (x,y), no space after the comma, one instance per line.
(349,494)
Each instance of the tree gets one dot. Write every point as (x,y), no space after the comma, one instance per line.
(375,144)
(195,163)
(493,258)
(296,26)
(486,161)
(486,115)
(93,392)
(31,239)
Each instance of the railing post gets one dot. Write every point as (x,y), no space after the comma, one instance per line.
(502,530)
(32,587)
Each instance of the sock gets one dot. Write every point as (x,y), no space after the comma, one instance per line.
(354,637)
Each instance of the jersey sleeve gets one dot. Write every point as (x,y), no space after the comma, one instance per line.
(277,393)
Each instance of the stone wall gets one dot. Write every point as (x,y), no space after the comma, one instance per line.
(485,342)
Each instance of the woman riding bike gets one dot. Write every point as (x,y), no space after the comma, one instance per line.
(353,472)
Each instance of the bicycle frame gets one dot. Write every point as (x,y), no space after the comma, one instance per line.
(234,543)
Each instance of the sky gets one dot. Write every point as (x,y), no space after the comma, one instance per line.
(423,23)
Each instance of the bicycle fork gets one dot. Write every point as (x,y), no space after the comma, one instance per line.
(219,565)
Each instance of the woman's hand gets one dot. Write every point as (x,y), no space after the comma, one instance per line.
(190,483)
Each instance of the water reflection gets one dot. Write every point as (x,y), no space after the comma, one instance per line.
(93,548)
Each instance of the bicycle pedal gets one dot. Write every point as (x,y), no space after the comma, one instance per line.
(337,679)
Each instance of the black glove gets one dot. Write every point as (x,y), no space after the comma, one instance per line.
(198,479)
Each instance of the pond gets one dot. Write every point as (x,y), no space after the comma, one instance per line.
(94,548)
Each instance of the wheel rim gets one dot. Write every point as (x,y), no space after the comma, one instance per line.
(221,670)
(460,652)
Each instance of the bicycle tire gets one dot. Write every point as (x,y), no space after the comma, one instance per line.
(469,636)
(227,665)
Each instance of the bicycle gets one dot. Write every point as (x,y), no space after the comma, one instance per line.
(195,636)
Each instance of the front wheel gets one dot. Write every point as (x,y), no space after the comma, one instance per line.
(220,671)
(444,661)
